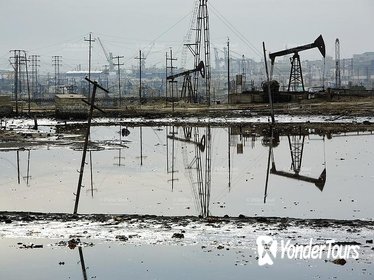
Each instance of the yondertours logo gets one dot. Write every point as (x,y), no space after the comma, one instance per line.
(270,249)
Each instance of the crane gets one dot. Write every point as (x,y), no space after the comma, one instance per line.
(296,75)
(109,57)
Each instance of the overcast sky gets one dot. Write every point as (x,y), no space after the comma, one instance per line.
(49,28)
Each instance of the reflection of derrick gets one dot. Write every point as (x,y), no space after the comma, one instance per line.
(296,145)
(201,183)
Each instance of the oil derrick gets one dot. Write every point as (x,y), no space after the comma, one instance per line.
(201,49)
(34,59)
(337,64)
(296,75)
(56,62)
(187,37)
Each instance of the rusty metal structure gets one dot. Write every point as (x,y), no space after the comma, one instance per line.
(296,74)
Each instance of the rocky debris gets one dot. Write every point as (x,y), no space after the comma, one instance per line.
(72,243)
(122,238)
(29,246)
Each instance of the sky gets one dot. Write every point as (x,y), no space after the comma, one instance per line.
(48,28)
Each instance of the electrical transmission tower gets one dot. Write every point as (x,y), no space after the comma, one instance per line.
(201,50)
(19,64)
(34,59)
(337,64)
(56,62)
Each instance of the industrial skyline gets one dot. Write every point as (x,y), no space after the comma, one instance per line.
(49,28)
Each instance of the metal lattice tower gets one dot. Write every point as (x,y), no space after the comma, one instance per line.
(296,76)
(337,64)
(201,50)
(296,144)
(34,74)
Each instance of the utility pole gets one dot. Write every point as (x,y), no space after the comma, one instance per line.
(171,68)
(56,62)
(337,64)
(15,61)
(27,82)
(228,70)
(140,58)
(119,77)
(89,40)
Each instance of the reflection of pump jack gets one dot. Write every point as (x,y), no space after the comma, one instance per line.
(187,89)
(296,144)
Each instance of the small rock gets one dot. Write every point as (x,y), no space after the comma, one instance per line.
(220,247)
(339,261)
(369,241)
(178,235)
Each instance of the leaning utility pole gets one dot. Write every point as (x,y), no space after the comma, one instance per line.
(119,77)
(140,58)
(85,146)
(56,62)
(89,40)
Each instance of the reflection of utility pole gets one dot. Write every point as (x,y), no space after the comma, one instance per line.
(18,171)
(56,62)
(141,145)
(119,78)
(83,265)
(28,168)
(140,58)
(89,40)
(120,157)
(173,171)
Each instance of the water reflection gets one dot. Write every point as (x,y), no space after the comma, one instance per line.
(216,170)
(198,166)
(296,144)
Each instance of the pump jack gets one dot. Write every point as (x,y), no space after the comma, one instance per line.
(187,89)
(296,75)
